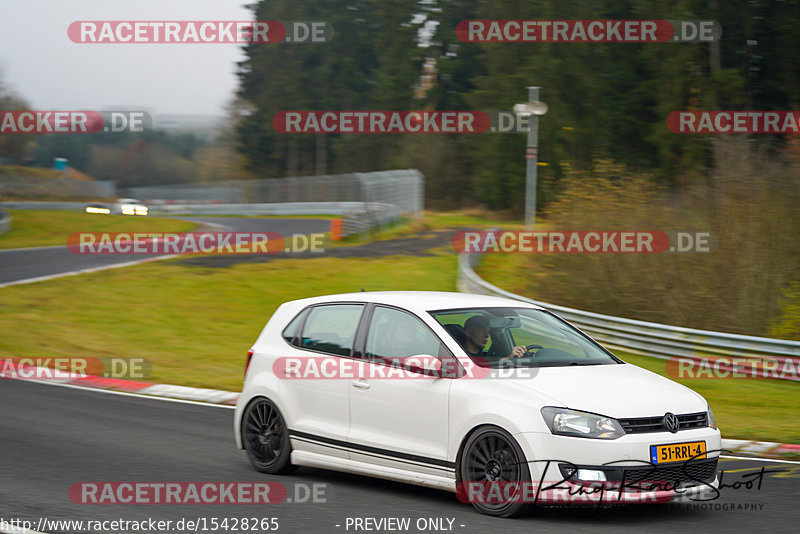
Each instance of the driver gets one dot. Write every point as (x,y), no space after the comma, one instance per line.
(477,329)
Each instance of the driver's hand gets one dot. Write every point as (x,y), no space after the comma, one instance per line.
(518,351)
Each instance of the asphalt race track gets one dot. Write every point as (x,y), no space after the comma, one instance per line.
(16,265)
(52,437)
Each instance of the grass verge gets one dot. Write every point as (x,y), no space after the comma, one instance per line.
(38,228)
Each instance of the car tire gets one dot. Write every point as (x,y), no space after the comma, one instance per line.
(265,437)
(491,454)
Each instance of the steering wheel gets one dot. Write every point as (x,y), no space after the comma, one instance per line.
(529,348)
(509,362)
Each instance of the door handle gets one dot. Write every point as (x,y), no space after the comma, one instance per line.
(360,385)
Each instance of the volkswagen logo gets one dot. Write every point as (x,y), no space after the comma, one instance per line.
(671,422)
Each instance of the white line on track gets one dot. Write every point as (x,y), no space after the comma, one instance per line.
(82,271)
(25,249)
(128,394)
(775,460)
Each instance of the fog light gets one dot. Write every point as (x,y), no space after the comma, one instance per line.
(592,475)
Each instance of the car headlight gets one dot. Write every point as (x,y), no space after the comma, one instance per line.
(565,422)
(712,421)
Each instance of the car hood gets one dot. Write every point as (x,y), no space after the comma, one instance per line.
(618,391)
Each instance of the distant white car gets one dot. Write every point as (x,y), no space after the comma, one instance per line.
(461,392)
(129,206)
(123,206)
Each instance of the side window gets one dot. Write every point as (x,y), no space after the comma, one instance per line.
(331,328)
(395,334)
(292,331)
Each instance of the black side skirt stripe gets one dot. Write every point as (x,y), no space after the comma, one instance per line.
(399,456)
(363,453)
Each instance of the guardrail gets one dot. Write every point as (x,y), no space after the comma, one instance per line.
(44,205)
(765,356)
(272,208)
(404,188)
(357,216)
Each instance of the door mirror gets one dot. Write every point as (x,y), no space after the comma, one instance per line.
(424,364)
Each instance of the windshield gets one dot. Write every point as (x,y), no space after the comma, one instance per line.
(520,337)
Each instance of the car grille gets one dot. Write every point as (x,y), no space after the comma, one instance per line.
(692,472)
(642,425)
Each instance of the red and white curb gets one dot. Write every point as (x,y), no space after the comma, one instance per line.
(759,448)
(15,371)
(12,370)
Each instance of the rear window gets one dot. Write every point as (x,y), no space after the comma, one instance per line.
(331,328)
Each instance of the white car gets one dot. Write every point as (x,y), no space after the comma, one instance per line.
(396,385)
(129,206)
(123,206)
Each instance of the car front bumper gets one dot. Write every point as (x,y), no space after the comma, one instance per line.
(576,470)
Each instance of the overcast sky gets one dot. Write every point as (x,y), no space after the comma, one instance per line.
(41,64)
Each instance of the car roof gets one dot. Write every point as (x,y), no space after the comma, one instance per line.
(421,301)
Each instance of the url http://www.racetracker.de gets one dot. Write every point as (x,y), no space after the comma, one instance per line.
(155,526)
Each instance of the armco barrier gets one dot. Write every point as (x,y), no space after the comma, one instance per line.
(45,205)
(652,339)
(404,188)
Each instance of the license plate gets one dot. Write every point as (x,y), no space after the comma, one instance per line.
(676,452)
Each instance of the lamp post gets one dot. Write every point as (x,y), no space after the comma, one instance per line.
(533,108)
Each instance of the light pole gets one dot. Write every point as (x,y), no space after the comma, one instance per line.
(533,108)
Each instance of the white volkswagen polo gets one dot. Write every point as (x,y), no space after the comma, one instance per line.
(497,400)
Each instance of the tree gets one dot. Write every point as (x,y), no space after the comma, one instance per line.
(13,146)
(371,63)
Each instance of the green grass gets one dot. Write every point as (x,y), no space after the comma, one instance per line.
(36,228)
(195,325)
(472,218)
(758,409)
